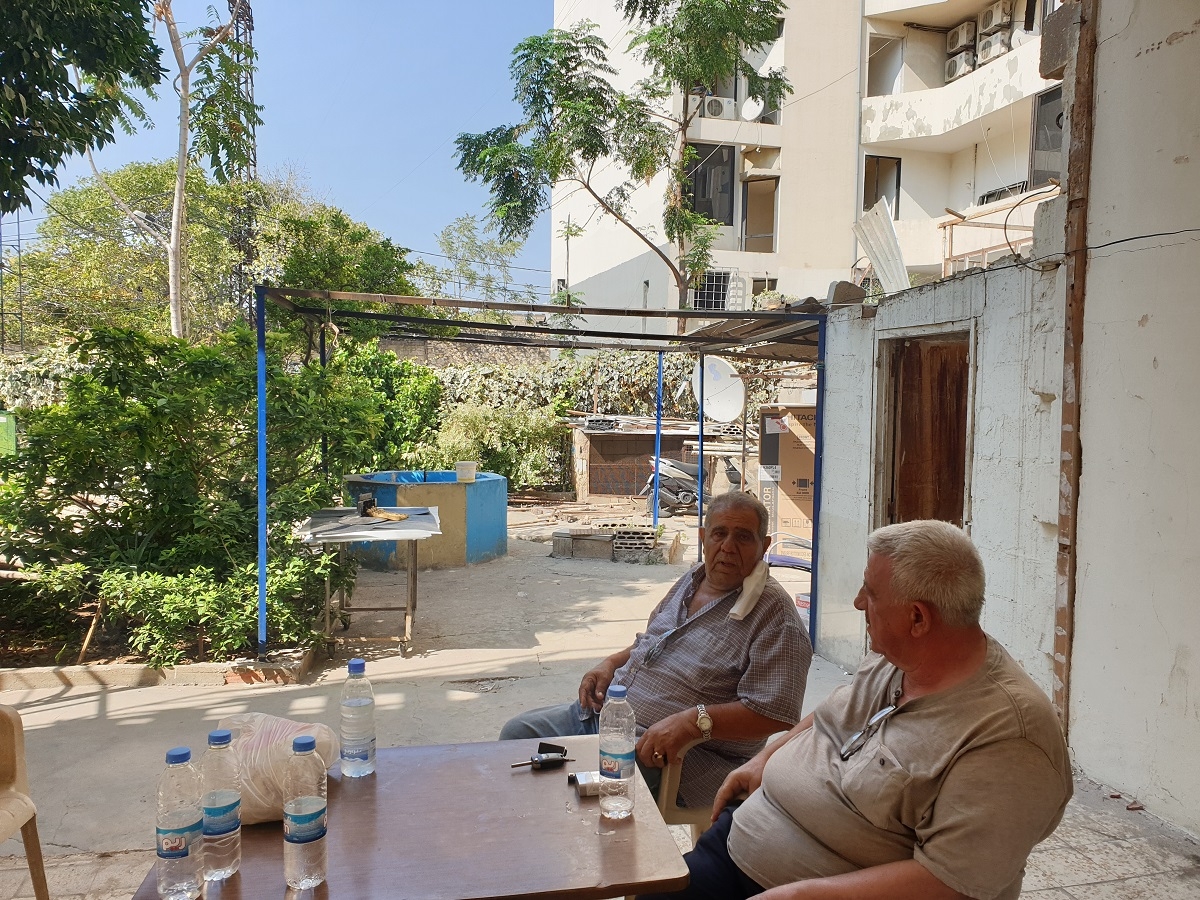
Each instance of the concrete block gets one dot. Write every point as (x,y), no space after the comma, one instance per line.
(1060,38)
(592,546)
(1050,227)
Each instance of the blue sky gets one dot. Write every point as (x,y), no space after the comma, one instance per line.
(364,98)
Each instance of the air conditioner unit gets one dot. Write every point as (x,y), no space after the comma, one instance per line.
(693,103)
(960,65)
(720,108)
(995,17)
(961,37)
(992,46)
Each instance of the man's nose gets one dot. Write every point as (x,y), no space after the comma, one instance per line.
(860,601)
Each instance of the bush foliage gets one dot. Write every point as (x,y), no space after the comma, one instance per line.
(140,486)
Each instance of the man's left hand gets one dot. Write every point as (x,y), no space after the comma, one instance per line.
(663,741)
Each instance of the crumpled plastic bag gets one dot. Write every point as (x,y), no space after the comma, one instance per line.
(262,745)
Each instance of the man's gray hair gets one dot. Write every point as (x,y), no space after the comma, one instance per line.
(935,562)
(742,500)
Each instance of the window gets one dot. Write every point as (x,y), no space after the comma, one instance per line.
(710,180)
(1010,190)
(711,291)
(560,286)
(1045,156)
(1049,6)
(881,178)
(758,285)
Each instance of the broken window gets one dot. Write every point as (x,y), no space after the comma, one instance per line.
(881,178)
(710,182)
(926,437)
(1045,157)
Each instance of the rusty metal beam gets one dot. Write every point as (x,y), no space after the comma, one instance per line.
(1079,172)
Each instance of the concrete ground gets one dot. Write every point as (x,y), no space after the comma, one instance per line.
(490,640)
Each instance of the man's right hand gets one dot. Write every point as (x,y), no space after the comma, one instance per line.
(595,685)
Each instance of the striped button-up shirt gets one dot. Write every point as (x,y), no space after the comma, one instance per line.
(680,661)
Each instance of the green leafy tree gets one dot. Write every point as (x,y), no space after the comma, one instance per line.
(224,123)
(478,265)
(576,124)
(319,247)
(46,114)
(90,267)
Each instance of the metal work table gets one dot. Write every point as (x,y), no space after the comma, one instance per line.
(341,525)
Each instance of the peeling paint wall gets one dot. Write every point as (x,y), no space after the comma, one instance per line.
(1135,685)
(930,113)
(1014,316)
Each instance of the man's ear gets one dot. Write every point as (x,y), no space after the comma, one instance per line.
(920,618)
(766,544)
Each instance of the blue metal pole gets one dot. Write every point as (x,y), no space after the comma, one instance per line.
(700,471)
(816,531)
(657,435)
(260,321)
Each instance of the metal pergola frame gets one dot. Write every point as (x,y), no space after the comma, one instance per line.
(783,335)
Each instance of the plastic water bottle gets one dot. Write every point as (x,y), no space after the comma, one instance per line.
(304,816)
(180,828)
(618,736)
(358,722)
(222,807)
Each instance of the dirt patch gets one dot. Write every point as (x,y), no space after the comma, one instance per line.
(21,651)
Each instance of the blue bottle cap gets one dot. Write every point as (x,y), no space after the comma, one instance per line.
(219,737)
(357,666)
(617,691)
(178,755)
(304,743)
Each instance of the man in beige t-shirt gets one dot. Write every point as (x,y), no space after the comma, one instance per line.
(933,774)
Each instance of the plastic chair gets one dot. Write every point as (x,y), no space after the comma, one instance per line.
(17,812)
(780,540)
(668,795)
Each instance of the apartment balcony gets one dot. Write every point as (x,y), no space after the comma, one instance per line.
(710,130)
(937,13)
(950,118)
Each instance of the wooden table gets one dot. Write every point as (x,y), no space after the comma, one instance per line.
(341,525)
(456,822)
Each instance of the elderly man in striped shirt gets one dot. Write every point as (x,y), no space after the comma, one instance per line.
(724,657)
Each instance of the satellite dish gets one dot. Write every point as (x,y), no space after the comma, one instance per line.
(752,109)
(724,393)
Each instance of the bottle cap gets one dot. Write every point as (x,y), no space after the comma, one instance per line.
(220,737)
(178,755)
(357,666)
(617,692)
(304,743)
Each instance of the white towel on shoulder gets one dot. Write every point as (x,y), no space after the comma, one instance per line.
(752,589)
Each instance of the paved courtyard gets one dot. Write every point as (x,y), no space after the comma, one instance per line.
(490,640)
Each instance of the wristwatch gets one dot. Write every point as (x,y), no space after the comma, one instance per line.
(703,722)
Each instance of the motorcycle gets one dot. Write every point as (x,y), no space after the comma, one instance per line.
(678,489)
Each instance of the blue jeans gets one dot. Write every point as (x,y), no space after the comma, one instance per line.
(714,876)
(566,719)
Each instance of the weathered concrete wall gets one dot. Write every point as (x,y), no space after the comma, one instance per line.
(928,113)
(1135,685)
(1013,316)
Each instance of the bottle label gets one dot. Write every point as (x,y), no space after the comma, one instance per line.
(359,750)
(179,843)
(220,820)
(616,765)
(301,828)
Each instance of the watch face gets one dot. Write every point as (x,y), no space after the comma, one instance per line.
(704,722)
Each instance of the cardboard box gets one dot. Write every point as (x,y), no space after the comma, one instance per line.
(787,445)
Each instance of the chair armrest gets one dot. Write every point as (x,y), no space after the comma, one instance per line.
(668,788)
(12,752)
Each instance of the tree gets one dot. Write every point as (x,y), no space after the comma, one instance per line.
(91,267)
(225,123)
(576,123)
(319,247)
(44,115)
